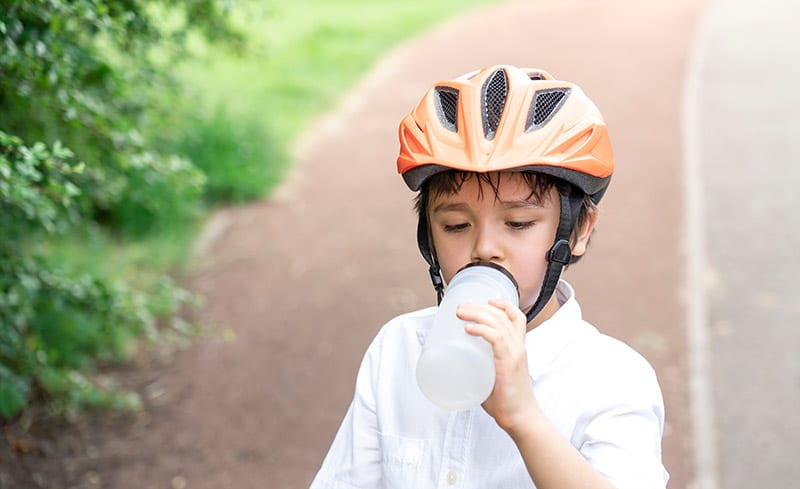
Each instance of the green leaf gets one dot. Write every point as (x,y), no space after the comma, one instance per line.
(14,390)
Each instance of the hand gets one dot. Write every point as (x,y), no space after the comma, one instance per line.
(504,325)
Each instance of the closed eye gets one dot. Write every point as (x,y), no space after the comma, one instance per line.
(520,225)
(454,228)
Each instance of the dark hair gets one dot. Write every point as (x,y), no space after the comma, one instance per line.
(450,182)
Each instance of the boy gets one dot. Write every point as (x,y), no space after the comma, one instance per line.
(510,164)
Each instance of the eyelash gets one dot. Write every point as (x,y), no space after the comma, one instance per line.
(514,225)
(519,226)
(455,228)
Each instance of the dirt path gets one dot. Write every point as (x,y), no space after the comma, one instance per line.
(306,279)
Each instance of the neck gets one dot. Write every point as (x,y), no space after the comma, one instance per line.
(546,313)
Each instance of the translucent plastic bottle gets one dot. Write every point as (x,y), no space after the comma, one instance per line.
(456,370)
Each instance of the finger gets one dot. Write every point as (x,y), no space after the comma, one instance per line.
(514,313)
(492,324)
(486,314)
(488,333)
(501,343)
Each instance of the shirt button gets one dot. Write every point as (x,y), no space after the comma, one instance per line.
(452,477)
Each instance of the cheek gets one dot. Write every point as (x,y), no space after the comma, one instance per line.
(450,264)
(444,255)
(530,276)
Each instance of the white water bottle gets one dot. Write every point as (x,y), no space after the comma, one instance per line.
(456,370)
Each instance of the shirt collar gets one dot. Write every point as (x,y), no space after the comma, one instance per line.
(546,341)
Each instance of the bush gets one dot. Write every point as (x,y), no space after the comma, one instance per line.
(238,156)
(53,322)
(86,74)
(78,91)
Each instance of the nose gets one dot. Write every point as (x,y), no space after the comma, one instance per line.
(487,247)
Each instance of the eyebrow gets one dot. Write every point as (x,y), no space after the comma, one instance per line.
(509,204)
(448,207)
(516,204)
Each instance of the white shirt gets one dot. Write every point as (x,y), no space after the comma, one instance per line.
(598,392)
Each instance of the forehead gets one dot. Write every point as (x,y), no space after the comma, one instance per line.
(497,186)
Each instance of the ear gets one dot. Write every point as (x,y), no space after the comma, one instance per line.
(582,241)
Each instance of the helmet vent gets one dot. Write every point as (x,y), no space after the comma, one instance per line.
(446,101)
(545,104)
(495,92)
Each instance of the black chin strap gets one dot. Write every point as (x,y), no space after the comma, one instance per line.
(560,254)
(423,241)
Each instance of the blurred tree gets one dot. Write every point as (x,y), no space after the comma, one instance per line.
(81,86)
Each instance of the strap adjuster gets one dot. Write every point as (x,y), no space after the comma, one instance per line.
(560,253)
(438,283)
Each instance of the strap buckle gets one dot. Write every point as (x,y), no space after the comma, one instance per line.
(560,253)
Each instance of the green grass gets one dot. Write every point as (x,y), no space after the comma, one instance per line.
(139,262)
(303,55)
(247,109)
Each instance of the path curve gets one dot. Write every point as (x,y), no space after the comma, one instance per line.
(305,280)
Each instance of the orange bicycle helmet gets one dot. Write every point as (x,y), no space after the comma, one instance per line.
(505,118)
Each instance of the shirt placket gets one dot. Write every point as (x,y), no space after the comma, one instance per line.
(454,461)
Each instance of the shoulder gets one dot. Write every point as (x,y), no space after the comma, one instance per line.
(617,380)
(608,360)
(413,318)
(617,357)
(614,352)
(597,367)
(407,329)
(386,375)
(602,354)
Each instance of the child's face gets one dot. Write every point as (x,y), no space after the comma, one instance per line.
(514,230)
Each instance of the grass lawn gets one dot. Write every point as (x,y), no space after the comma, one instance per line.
(304,54)
(247,109)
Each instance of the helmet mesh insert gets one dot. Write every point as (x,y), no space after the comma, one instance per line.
(447,107)
(545,104)
(495,92)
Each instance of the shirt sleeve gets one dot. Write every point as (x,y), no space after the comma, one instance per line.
(621,438)
(354,458)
